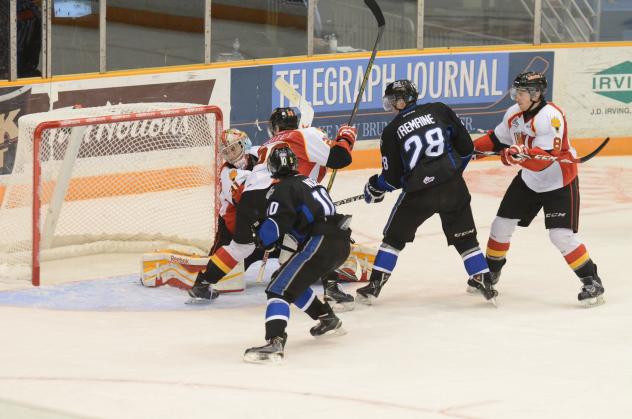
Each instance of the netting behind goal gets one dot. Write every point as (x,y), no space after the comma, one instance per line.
(129,177)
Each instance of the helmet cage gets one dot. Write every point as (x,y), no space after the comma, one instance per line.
(234,144)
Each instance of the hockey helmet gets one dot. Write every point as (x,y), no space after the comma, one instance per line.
(399,89)
(282,119)
(531,82)
(282,161)
(233,145)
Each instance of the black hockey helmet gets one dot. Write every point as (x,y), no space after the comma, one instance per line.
(283,119)
(399,89)
(282,161)
(531,82)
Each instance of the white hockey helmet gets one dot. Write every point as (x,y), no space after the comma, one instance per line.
(233,145)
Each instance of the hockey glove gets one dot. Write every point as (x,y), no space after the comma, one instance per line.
(346,136)
(372,192)
(262,236)
(514,154)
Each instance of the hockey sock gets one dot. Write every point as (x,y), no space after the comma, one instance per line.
(386,259)
(277,316)
(310,304)
(580,262)
(474,261)
(219,264)
(496,252)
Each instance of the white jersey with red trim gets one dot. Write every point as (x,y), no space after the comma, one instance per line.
(311,147)
(548,131)
(231,180)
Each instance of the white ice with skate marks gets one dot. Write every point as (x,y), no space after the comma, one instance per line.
(426,349)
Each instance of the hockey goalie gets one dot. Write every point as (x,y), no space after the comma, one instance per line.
(180,269)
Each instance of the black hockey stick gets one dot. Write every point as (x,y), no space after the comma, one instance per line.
(377,12)
(583,159)
(348,200)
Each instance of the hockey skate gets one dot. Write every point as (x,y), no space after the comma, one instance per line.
(483,283)
(337,298)
(494,278)
(271,353)
(202,293)
(368,293)
(328,326)
(592,291)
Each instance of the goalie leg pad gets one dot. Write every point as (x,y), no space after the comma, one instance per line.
(168,267)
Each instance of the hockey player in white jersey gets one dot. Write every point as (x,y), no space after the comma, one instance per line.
(534,135)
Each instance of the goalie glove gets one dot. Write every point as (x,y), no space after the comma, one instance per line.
(372,192)
(514,154)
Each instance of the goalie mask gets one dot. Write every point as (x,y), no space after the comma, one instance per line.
(399,89)
(282,161)
(233,146)
(282,119)
(529,82)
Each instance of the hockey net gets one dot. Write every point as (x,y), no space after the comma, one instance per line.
(111,179)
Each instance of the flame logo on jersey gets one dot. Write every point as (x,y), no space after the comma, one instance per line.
(556,124)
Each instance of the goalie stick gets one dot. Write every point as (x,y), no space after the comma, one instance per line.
(377,12)
(306,110)
(583,159)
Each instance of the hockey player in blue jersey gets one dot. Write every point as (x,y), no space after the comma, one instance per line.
(300,206)
(424,150)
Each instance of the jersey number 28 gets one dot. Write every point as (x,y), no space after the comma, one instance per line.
(414,146)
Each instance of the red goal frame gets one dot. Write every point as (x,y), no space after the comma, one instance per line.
(100,120)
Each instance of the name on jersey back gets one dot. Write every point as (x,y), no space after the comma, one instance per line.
(415,123)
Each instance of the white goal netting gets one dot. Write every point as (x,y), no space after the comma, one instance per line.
(129,177)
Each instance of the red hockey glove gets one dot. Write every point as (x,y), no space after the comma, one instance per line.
(346,136)
(514,154)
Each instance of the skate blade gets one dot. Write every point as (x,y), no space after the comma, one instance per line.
(198,301)
(342,307)
(262,358)
(493,302)
(593,302)
(368,300)
(332,333)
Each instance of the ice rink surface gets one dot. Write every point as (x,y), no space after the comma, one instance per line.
(109,348)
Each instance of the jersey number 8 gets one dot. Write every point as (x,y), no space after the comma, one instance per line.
(434,146)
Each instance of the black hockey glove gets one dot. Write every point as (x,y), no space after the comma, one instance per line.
(257,238)
(372,193)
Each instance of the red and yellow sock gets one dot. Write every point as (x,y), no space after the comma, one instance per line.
(579,261)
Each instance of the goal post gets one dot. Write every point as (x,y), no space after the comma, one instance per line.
(110,179)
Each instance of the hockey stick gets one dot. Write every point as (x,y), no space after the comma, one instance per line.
(377,12)
(583,159)
(348,200)
(307,112)
(262,269)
